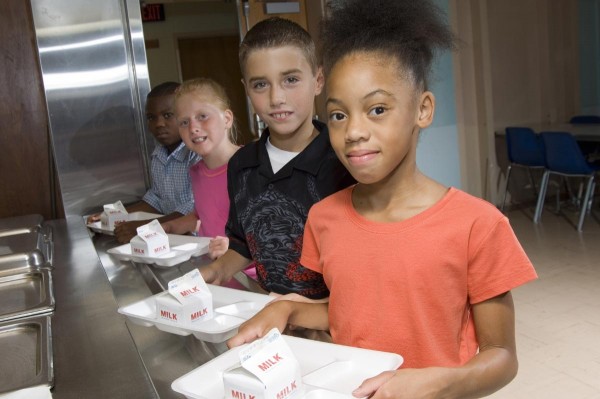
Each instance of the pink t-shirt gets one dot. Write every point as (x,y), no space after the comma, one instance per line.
(210,198)
(409,287)
(211,202)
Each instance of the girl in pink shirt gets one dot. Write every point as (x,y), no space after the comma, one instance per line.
(207,127)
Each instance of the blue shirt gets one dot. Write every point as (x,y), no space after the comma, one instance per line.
(171,189)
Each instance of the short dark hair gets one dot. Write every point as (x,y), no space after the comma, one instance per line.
(164,89)
(278,32)
(410,31)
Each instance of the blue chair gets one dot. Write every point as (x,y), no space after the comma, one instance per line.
(524,150)
(590,148)
(585,119)
(564,158)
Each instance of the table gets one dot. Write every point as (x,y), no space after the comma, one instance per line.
(583,132)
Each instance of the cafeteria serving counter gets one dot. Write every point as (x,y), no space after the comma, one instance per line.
(98,353)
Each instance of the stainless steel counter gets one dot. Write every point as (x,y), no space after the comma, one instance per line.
(94,353)
(98,353)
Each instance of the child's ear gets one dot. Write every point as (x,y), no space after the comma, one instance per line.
(426,109)
(320,81)
(228,118)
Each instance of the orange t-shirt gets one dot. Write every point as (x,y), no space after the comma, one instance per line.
(407,287)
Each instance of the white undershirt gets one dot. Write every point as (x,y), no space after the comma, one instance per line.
(278,157)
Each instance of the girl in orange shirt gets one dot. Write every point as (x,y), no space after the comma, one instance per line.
(412,266)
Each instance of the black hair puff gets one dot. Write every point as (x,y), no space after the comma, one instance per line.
(411,31)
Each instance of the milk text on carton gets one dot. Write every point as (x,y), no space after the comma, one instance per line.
(168,315)
(269,362)
(241,395)
(287,391)
(199,314)
(189,291)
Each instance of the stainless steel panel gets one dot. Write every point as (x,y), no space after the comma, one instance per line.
(26,294)
(96,80)
(26,247)
(8,226)
(26,347)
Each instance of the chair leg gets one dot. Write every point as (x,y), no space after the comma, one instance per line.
(541,196)
(584,205)
(591,200)
(532,182)
(561,178)
(506,187)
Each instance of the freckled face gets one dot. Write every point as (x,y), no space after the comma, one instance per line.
(202,125)
(373,113)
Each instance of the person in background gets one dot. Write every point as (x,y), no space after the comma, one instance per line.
(171,191)
(207,127)
(274,181)
(414,267)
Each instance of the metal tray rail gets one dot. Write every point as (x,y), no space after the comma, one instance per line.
(32,222)
(26,294)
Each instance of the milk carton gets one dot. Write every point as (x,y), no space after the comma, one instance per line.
(189,301)
(151,240)
(113,214)
(267,370)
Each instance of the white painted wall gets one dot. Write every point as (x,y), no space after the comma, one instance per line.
(438,153)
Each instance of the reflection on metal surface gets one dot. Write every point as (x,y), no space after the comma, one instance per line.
(26,294)
(95,77)
(29,246)
(26,348)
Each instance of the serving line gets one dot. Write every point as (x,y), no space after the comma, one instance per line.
(165,356)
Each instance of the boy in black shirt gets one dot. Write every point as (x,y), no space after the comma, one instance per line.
(274,181)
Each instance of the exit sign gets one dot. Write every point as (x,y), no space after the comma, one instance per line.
(153,12)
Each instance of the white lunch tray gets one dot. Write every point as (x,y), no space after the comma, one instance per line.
(182,249)
(231,308)
(98,228)
(328,371)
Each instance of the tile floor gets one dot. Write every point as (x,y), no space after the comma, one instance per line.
(558,316)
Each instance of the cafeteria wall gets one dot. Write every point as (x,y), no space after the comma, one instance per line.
(438,154)
(589,56)
(184,20)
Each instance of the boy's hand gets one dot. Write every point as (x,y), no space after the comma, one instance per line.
(273,315)
(93,218)
(125,231)
(217,247)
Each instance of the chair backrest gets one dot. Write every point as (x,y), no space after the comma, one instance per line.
(585,119)
(563,154)
(524,146)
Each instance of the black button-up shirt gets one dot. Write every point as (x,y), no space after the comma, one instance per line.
(268,211)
